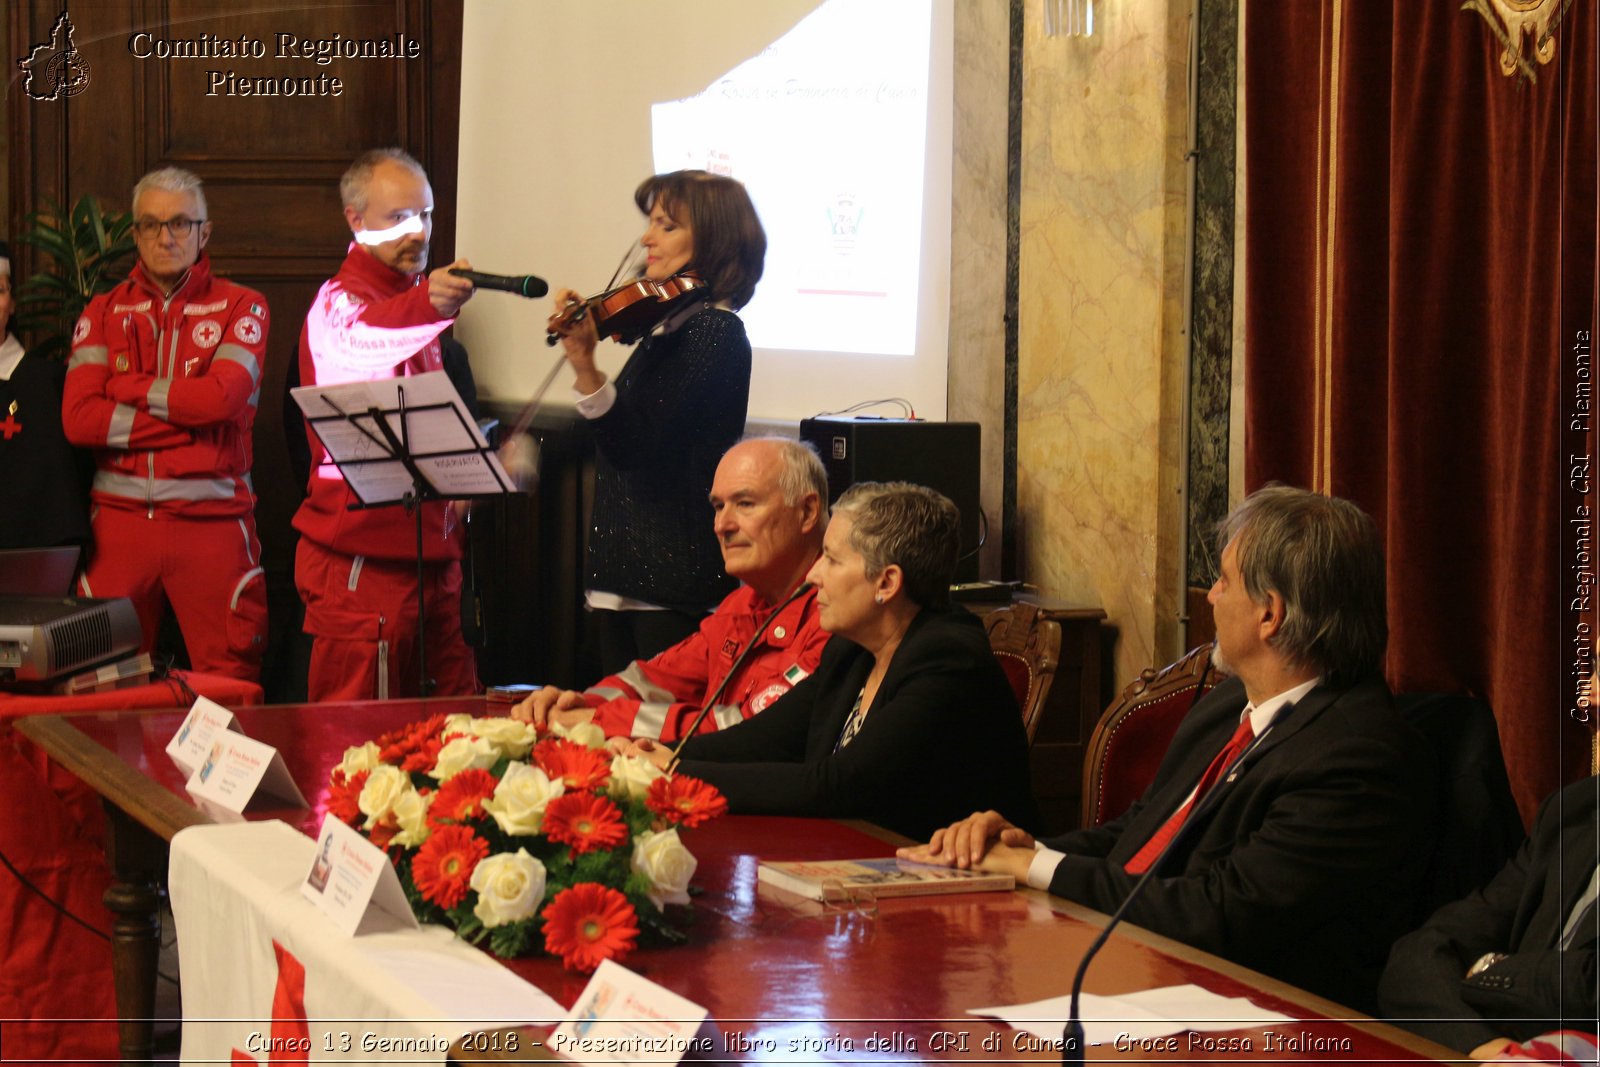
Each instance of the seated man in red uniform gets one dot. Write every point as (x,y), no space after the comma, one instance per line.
(162,385)
(769,507)
(379,318)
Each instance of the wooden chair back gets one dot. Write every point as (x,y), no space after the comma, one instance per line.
(1028,647)
(1132,735)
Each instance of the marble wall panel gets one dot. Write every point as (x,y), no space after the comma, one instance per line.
(978,248)
(1101,349)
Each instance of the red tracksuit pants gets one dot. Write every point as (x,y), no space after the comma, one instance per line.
(361,614)
(208,569)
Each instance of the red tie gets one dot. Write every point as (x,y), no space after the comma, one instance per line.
(1152,848)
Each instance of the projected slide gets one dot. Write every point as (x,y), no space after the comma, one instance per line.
(827,128)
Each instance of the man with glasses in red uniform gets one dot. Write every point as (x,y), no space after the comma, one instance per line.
(377,319)
(163,384)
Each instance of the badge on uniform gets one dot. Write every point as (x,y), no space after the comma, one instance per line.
(206,333)
(122,362)
(762,700)
(9,426)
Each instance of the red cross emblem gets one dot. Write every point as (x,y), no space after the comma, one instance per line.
(10,427)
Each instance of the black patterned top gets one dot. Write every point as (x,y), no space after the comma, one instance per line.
(681,403)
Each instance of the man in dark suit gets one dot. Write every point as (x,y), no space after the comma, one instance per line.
(1516,958)
(1310,798)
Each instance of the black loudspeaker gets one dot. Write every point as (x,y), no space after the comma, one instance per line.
(939,455)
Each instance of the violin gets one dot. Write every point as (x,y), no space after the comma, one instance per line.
(630,311)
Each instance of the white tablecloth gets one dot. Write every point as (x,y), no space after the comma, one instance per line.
(235,890)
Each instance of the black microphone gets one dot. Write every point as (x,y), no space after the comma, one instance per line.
(1072,1035)
(755,638)
(524,285)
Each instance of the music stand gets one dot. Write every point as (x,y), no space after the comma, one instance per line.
(405,441)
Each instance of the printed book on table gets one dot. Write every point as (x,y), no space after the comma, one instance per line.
(882,877)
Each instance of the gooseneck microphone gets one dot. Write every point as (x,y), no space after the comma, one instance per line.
(755,638)
(1072,1035)
(523,285)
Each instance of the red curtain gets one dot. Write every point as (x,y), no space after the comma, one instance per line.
(1420,308)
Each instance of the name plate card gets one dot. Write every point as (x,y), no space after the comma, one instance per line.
(236,768)
(353,883)
(622,1017)
(200,730)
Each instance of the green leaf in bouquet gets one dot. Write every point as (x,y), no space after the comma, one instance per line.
(468,927)
(600,867)
(637,885)
(513,939)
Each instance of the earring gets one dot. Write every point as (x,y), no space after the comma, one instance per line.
(878,598)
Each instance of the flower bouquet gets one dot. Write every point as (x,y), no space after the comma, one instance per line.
(529,843)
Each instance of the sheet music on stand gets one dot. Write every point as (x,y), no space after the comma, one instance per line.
(441,453)
(405,441)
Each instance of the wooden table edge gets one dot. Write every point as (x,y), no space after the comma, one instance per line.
(1254,979)
(148,803)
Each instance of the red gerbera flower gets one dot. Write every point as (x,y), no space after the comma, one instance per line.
(589,923)
(581,767)
(397,744)
(686,800)
(442,867)
(584,821)
(461,798)
(344,796)
(423,757)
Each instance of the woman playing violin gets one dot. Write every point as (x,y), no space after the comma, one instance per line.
(660,427)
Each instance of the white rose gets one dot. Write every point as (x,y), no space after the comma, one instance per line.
(510,887)
(464,753)
(519,800)
(356,760)
(385,785)
(662,858)
(587,734)
(513,739)
(631,776)
(411,812)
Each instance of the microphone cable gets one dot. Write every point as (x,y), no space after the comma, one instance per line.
(30,886)
(1072,1034)
(744,653)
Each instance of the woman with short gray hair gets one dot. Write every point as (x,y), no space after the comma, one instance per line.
(908,719)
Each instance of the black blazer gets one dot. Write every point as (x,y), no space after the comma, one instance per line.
(943,739)
(1521,912)
(1308,866)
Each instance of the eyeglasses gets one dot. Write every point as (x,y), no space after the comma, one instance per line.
(179,227)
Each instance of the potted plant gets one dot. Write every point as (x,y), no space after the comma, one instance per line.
(86,248)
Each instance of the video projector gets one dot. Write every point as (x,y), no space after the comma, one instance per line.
(45,637)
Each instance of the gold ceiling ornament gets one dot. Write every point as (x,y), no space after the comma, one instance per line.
(1512,20)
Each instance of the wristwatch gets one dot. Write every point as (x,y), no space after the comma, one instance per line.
(1485,961)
